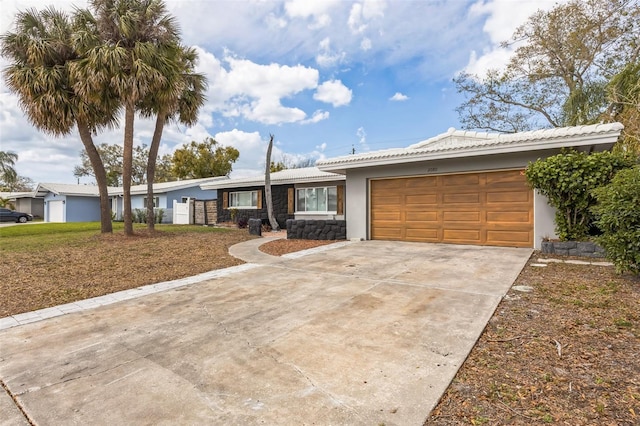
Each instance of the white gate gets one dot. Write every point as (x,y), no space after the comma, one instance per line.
(56,211)
(181,213)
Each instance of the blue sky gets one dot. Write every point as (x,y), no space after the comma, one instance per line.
(323,76)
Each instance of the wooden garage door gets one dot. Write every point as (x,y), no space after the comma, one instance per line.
(492,208)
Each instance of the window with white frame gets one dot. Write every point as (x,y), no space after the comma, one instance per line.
(243,200)
(317,200)
(156,201)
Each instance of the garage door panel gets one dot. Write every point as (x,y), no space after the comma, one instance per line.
(390,201)
(459,235)
(421,216)
(422,234)
(488,208)
(457,198)
(387,184)
(508,197)
(385,216)
(421,183)
(428,199)
(519,238)
(509,217)
(389,234)
(514,177)
(461,216)
(462,180)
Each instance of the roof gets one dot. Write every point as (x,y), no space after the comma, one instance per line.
(163,187)
(69,189)
(284,177)
(459,143)
(16,195)
(92,190)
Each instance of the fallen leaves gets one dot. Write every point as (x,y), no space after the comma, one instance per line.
(565,353)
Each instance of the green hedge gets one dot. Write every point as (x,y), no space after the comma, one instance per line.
(568,179)
(618,216)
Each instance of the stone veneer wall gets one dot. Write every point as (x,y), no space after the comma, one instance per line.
(572,248)
(298,229)
(280,205)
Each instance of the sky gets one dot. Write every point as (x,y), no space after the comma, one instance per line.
(325,77)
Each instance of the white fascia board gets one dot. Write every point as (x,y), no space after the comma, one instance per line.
(413,157)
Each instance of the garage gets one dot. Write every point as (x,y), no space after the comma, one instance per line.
(459,187)
(486,208)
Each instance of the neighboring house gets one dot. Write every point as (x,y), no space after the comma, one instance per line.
(305,193)
(27,202)
(165,194)
(81,203)
(70,203)
(459,187)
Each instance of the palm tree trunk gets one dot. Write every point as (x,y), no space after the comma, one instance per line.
(151,168)
(267,188)
(106,226)
(127,167)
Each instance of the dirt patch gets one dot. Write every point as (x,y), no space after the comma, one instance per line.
(283,246)
(565,352)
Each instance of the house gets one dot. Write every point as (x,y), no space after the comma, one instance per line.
(459,187)
(81,203)
(165,193)
(27,202)
(305,194)
(70,203)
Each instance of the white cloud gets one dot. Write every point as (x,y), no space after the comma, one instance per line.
(318,116)
(326,57)
(252,148)
(316,10)
(502,19)
(333,92)
(399,97)
(366,44)
(362,13)
(362,139)
(255,91)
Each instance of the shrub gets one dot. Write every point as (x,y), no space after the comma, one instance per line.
(139,215)
(243,222)
(159,215)
(618,216)
(567,180)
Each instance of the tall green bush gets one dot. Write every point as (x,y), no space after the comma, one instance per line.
(568,179)
(618,216)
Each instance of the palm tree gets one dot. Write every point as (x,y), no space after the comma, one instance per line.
(43,55)
(7,167)
(178,100)
(132,36)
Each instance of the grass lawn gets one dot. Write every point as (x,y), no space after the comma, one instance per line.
(54,263)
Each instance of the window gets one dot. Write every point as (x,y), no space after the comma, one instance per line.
(156,201)
(317,199)
(243,200)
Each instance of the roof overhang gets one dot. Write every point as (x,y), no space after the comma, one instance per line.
(600,136)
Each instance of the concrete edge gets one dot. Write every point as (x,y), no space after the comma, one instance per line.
(108,299)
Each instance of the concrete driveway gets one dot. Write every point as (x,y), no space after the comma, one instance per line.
(367,333)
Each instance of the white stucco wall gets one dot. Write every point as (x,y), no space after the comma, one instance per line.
(357,211)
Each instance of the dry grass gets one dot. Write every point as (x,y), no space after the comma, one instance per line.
(94,265)
(566,353)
